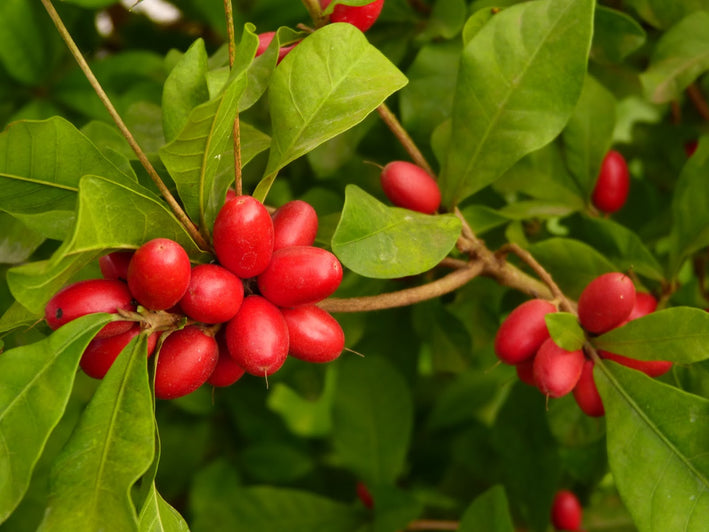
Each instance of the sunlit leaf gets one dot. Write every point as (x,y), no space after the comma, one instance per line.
(158,516)
(565,330)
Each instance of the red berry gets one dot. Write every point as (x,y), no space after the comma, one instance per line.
(361,17)
(300,275)
(411,187)
(294,224)
(100,354)
(586,393)
(556,371)
(257,337)
(88,297)
(606,302)
(314,335)
(159,273)
(690,147)
(651,368)
(613,183)
(566,511)
(214,294)
(243,236)
(364,495)
(115,265)
(227,371)
(525,372)
(523,331)
(264,39)
(186,360)
(644,304)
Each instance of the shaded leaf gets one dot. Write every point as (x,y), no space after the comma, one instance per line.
(663,14)
(615,35)
(657,441)
(37,380)
(508,101)
(489,511)
(379,241)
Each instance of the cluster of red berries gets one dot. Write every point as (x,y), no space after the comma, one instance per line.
(523,340)
(566,511)
(613,183)
(243,314)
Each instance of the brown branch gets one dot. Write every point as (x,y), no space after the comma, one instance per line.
(404,138)
(236,129)
(697,98)
(432,524)
(105,100)
(316,14)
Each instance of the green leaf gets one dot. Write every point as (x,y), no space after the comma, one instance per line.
(490,512)
(41,164)
(564,328)
(679,58)
(111,447)
(663,14)
(657,442)
(384,242)
(690,208)
(17,242)
(158,516)
(372,419)
(499,113)
(37,380)
(193,158)
(588,135)
(395,508)
(615,35)
(184,89)
(679,334)
(327,84)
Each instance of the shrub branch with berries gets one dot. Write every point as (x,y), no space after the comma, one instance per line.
(497,207)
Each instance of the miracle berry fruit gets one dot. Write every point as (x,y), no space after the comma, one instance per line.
(227,371)
(409,186)
(115,265)
(294,224)
(159,273)
(362,17)
(101,353)
(523,331)
(556,371)
(314,334)
(214,294)
(613,183)
(586,394)
(606,302)
(264,40)
(566,511)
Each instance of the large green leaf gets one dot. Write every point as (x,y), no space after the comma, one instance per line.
(376,240)
(679,334)
(489,511)
(615,35)
(678,59)
(509,99)
(657,449)
(327,84)
(110,215)
(41,163)
(194,156)
(372,419)
(111,447)
(663,14)
(37,380)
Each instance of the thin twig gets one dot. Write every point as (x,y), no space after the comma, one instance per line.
(236,128)
(105,100)
(316,14)
(700,103)
(432,524)
(404,138)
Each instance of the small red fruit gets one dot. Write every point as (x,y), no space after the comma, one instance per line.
(586,393)
(300,275)
(214,294)
(362,17)
(613,184)
(186,360)
(88,297)
(265,38)
(644,304)
(523,331)
(651,368)
(314,335)
(115,265)
(294,224)
(411,187)
(257,337)
(159,273)
(525,372)
(556,371)
(364,495)
(243,236)
(227,371)
(566,511)
(606,302)
(100,354)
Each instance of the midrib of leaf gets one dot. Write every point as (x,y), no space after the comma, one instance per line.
(39,182)
(653,427)
(373,233)
(502,108)
(680,68)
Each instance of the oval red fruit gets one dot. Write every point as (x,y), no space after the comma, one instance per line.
(186,360)
(586,394)
(606,302)
(651,368)
(644,304)
(214,294)
(115,265)
(556,371)
(89,297)
(264,40)
(257,337)
(159,273)
(566,511)
(362,17)
(294,224)
(300,275)
(523,331)
(411,187)
(227,371)
(243,236)
(314,334)
(613,183)
(100,354)
(525,372)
